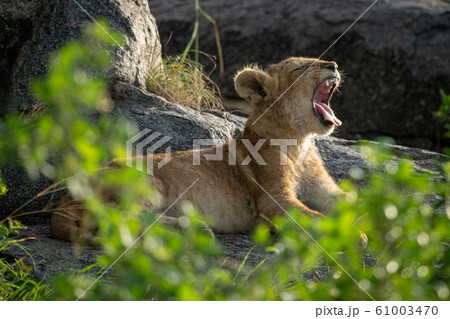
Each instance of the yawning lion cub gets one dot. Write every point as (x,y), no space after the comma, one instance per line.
(270,167)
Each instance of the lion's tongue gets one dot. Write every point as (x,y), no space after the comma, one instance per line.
(327,113)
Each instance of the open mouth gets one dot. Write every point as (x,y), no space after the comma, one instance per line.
(321,100)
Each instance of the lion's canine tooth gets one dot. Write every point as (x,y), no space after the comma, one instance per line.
(327,82)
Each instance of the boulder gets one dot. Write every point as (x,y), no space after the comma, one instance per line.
(151,112)
(30,30)
(179,123)
(394,59)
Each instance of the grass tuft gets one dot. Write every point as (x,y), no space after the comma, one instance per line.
(185,82)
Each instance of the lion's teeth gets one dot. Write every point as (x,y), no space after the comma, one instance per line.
(327,82)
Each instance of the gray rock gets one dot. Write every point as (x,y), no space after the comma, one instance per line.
(341,155)
(395,58)
(52,256)
(30,30)
(179,123)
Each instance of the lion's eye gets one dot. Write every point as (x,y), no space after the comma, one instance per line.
(300,68)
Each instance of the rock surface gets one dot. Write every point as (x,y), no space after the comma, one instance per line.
(30,30)
(395,58)
(151,112)
(181,124)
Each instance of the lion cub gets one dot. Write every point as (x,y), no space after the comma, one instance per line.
(272,166)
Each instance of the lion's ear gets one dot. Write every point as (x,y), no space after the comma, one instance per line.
(254,84)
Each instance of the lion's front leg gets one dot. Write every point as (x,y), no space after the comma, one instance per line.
(316,188)
(276,203)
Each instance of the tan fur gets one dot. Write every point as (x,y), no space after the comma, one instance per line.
(227,193)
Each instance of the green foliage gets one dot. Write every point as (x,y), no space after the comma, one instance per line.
(444,113)
(163,264)
(3,188)
(444,109)
(15,280)
(404,213)
(185,81)
(61,140)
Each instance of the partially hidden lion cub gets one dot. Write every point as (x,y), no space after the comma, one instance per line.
(291,106)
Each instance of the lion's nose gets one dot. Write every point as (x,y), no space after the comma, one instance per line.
(331,66)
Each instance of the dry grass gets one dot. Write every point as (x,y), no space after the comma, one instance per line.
(184,81)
